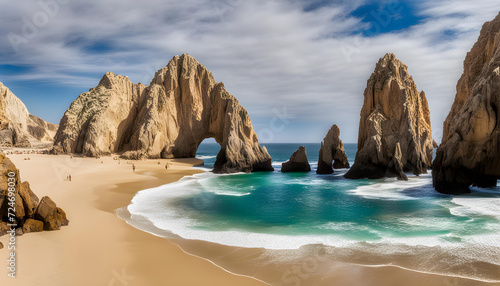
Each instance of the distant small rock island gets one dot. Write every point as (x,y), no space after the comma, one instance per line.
(298,162)
(331,151)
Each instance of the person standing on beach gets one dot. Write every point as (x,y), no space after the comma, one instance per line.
(133,167)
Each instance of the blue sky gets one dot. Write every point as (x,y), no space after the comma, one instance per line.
(297,66)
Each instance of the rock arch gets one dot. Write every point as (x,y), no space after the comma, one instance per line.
(182,106)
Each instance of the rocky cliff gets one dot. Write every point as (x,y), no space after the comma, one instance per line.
(298,162)
(332,150)
(181,107)
(40,129)
(470,148)
(31,214)
(395,118)
(18,128)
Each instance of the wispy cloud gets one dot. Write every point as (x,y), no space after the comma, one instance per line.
(269,54)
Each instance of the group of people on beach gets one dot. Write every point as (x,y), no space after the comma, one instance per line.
(25,152)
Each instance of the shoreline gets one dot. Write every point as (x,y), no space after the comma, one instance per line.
(98,248)
(146,256)
(373,269)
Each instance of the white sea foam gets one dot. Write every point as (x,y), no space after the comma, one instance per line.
(300,181)
(202,157)
(229,193)
(473,206)
(278,163)
(152,205)
(391,188)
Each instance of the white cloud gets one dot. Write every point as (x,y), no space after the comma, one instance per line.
(269,54)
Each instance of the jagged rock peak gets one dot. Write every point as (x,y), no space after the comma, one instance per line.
(469,153)
(393,113)
(181,107)
(18,128)
(332,150)
(298,162)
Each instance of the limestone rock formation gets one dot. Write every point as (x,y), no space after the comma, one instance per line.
(18,128)
(29,211)
(469,153)
(182,106)
(332,150)
(298,162)
(99,121)
(394,113)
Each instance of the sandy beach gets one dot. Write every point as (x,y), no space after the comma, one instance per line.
(98,248)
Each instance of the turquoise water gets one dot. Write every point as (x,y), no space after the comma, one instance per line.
(311,204)
(278,210)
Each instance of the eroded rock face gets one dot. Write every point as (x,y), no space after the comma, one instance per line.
(99,121)
(182,106)
(469,151)
(332,150)
(394,113)
(18,128)
(298,162)
(29,211)
(396,168)
(41,129)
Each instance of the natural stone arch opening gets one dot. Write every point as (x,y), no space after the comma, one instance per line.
(207,151)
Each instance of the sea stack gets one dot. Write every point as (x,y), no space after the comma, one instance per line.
(298,162)
(182,106)
(395,125)
(31,214)
(332,150)
(19,128)
(470,148)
